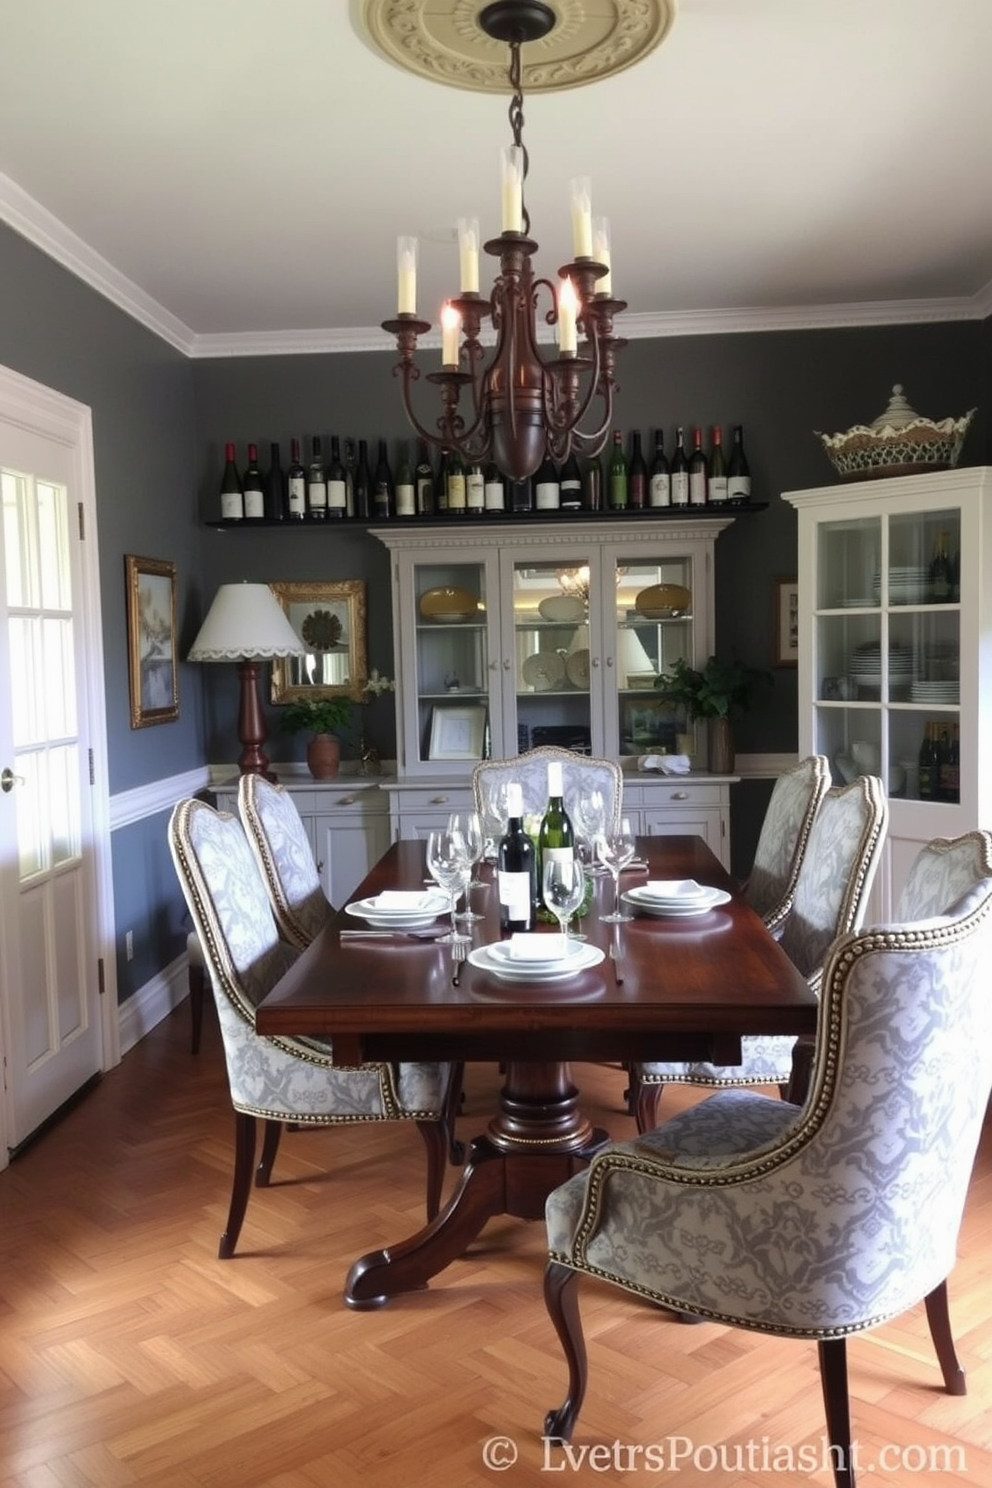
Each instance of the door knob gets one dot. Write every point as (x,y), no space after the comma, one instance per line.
(8,780)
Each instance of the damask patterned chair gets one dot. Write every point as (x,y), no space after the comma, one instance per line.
(807,1221)
(580,773)
(275,1079)
(278,840)
(795,799)
(831,894)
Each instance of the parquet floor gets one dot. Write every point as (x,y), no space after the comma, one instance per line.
(130,1355)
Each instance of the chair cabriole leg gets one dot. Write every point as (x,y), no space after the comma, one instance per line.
(561,1297)
(244,1158)
(837,1406)
(270,1146)
(943,1341)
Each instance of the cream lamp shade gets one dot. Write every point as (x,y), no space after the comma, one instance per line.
(634,660)
(246,624)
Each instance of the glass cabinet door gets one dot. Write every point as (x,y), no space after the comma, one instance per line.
(549,660)
(447,663)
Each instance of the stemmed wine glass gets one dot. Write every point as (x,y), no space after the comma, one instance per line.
(449,866)
(469,827)
(588,814)
(615,849)
(494,816)
(564,887)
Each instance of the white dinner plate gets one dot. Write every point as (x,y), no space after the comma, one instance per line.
(399,919)
(487,958)
(676,911)
(674,891)
(500,951)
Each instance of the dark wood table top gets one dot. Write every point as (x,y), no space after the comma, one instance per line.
(690,989)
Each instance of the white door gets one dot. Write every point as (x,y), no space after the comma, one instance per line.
(52,838)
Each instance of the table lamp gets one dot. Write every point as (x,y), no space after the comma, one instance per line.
(247,624)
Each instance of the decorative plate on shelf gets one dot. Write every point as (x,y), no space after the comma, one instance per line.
(663,602)
(563,609)
(449,606)
(543,671)
(577,669)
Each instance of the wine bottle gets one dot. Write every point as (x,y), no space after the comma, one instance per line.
(232,501)
(547,490)
(738,471)
(928,764)
(680,470)
(660,481)
(940,571)
(455,484)
(253,488)
(494,490)
(363,484)
(637,476)
(406,490)
(515,867)
(475,490)
(296,484)
(698,470)
(383,495)
(716,484)
(943,756)
(592,485)
(556,839)
(424,479)
(570,485)
(275,488)
(316,484)
(441,483)
(954,766)
(521,495)
(337,484)
(618,474)
(350,462)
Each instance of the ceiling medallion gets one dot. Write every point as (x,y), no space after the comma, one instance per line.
(441,40)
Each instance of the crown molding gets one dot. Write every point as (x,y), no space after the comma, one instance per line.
(35,223)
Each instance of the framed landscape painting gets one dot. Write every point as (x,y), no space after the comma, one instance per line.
(151,640)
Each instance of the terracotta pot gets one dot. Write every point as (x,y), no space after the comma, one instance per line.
(324,756)
(721,746)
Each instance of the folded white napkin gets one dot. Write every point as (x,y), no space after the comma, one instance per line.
(403,899)
(668,764)
(673,888)
(527,947)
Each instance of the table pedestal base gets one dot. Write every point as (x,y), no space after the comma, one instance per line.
(537,1141)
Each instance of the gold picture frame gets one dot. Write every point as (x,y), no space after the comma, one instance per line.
(153,665)
(332,621)
(786,622)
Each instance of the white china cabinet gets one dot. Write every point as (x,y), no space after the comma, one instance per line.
(895,643)
(525,634)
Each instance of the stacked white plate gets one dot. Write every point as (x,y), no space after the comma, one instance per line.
(935,692)
(397,909)
(864,666)
(907,584)
(675,898)
(511,963)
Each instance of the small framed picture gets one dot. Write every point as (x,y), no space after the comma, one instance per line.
(458,733)
(786,631)
(151,640)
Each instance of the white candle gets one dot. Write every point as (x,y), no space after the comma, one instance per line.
(468,254)
(406,268)
(568,309)
(601,253)
(581,217)
(451,324)
(512,157)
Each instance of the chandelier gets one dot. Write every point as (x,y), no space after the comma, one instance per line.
(517,405)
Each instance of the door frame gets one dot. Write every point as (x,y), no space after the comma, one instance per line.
(42,411)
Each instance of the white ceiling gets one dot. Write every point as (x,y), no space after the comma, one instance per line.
(235,172)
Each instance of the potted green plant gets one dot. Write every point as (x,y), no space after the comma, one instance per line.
(319,716)
(719,692)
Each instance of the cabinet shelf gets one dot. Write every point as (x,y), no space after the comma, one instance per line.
(501,519)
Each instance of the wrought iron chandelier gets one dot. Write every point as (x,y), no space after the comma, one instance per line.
(518,404)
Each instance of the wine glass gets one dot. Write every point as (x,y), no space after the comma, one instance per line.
(449,866)
(563,887)
(588,813)
(494,816)
(615,849)
(469,827)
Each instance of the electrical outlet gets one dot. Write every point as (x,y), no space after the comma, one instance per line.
(129,946)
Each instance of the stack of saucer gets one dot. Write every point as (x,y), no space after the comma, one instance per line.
(675,898)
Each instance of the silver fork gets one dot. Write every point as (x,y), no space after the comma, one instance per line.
(459,951)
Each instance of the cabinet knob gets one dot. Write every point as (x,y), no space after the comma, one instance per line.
(320,868)
(346,801)
(609,661)
(439,800)
(506,665)
(680,795)
(494,665)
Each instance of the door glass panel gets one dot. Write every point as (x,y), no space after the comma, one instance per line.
(452,660)
(653,631)
(552,657)
(849,564)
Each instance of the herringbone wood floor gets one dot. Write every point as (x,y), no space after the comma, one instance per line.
(130,1355)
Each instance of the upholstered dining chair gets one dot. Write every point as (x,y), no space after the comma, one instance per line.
(282,851)
(795,799)
(808,1222)
(830,898)
(580,773)
(280,1080)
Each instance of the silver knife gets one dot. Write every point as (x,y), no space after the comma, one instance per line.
(391,934)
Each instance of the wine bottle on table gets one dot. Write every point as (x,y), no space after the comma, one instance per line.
(253,487)
(738,471)
(660,479)
(383,495)
(698,470)
(637,476)
(316,484)
(680,471)
(232,502)
(556,839)
(275,488)
(363,483)
(406,489)
(515,868)
(337,483)
(618,474)
(296,484)
(424,479)
(716,484)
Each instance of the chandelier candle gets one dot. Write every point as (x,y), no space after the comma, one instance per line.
(451,324)
(468,254)
(602,254)
(568,310)
(406,268)
(512,158)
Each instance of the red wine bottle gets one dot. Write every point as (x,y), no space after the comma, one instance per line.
(337,484)
(275,488)
(698,470)
(232,502)
(680,471)
(296,484)
(637,476)
(253,488)
(660,482)
(316,484)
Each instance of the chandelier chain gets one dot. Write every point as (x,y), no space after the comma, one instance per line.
(516,114)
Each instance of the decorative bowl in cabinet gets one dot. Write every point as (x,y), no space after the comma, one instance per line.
(563,609)
(449,606)
(663,602)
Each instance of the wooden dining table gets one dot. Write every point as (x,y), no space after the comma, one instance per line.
(666,989)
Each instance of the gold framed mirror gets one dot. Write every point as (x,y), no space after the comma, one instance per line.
(331,621)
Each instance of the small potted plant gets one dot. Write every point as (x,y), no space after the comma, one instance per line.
(720,692)
(319,716)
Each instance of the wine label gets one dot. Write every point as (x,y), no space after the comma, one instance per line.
(456,493)
(493,495)
(547,495)
(739,488)
(571,495)
(337,495)
(231,506)
(514,895)
(406,501)
(660,490)
(297,496)
(717,491)
(475,491)
(557,854)
(697,490)
(680,488)
(317,496)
